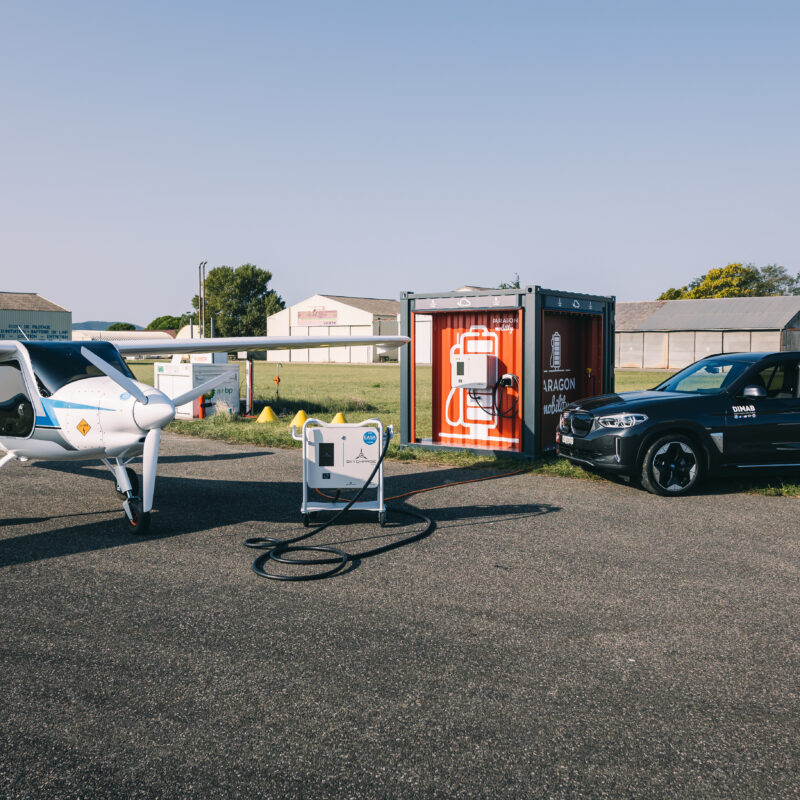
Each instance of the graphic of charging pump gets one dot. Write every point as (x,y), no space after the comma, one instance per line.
(477,374)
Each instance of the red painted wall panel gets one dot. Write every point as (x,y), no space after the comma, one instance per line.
(460,418)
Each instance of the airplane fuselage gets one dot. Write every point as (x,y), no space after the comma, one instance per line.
(87,417)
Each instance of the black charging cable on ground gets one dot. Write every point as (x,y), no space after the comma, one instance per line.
(276,549)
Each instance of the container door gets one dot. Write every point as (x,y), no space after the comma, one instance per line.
(571,357)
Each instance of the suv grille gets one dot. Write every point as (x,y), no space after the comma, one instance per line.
(581,423)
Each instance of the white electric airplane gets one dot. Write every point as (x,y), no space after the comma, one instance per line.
(79,400)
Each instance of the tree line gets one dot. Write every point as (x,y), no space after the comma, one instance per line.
(738,280)
(732,280)
(237,300)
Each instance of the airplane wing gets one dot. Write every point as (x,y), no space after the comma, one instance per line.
(144,347)
(8,348)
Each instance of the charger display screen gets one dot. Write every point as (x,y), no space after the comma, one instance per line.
(325,454)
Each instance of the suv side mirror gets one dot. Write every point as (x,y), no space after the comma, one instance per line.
(754,391)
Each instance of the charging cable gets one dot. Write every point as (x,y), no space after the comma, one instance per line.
(506,381)
(276,549)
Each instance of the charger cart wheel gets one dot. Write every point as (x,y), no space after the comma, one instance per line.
(672,466)
(382,519)
(306,520)
(133,478)
(140,523)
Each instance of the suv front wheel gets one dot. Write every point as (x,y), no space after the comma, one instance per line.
(672,466)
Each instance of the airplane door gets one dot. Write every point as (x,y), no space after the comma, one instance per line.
(16,411)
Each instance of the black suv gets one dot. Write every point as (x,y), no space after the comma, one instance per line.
(738,411)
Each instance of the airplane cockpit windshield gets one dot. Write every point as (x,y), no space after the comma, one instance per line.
(55,364)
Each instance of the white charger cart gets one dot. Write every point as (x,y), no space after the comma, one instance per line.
(342,456)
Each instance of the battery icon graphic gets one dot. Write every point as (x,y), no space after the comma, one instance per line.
(555,351)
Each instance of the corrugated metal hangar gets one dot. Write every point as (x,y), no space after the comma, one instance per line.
(119,336)
(669,334)
(38,318)
(335,315)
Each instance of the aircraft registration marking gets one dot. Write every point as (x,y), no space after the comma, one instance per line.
(84,427)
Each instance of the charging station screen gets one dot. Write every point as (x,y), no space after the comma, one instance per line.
(325,454)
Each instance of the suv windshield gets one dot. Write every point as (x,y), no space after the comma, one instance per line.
(705,377)
(55,364)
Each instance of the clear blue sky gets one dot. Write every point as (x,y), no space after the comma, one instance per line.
(370,147)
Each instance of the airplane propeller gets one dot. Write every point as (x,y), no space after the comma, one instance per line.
(152,442)
(123,380)
(152,412)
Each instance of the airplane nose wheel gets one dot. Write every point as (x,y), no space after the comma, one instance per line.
(139,521)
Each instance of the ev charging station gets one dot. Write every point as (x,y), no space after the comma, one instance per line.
(175,378)
(503,365)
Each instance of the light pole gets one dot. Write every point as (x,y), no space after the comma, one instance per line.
(201,298)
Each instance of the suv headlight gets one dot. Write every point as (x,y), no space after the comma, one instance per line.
(621,420)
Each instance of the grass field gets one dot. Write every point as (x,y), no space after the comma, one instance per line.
(364,391)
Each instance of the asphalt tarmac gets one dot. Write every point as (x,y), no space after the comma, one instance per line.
(550,638)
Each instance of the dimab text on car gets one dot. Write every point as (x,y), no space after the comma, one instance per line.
(737,411)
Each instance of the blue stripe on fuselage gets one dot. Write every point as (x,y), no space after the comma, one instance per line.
(49,405)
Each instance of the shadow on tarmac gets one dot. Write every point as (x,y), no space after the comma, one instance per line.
(192,505)
(734,483)
(90,464)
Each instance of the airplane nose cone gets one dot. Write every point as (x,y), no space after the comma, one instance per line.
(158,412)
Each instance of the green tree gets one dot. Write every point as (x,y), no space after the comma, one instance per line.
(274,304)
(779,281)
(737,280)
(238,300)
(121,326)
(513,285)
(168,322)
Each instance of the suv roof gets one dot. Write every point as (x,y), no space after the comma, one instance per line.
(748,357)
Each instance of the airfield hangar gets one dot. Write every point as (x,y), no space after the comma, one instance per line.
(336,315)
(670,334)
(28,315)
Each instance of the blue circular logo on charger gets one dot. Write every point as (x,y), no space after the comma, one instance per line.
(370,437)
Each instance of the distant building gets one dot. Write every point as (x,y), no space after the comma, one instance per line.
(335,315)
(669,334)
(120,336)
(38,318)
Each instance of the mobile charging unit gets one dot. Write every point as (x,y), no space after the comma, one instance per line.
(176,378)
(340,456)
